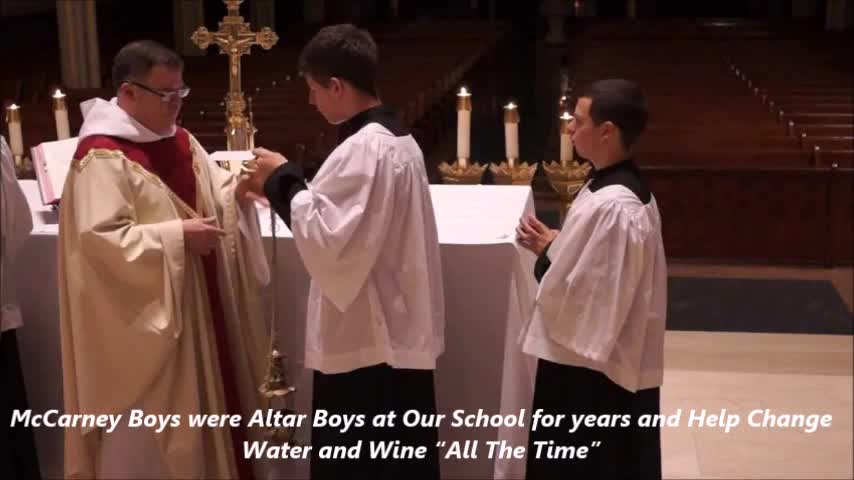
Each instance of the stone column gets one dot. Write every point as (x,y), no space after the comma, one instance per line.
(188,15)
(78,44)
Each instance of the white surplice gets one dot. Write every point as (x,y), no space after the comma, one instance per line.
(17,223)
(603,301)
(366,232)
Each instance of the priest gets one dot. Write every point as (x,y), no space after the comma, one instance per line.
(365,230)
(598,324)
(160,260)
(17,449)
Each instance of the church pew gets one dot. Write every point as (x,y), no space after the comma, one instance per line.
(841,205)
(752,214)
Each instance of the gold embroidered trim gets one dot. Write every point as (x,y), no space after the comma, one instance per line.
(103,153)
(99,153)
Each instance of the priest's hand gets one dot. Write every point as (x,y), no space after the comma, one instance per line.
(534,235)
(265,162)
(201,235)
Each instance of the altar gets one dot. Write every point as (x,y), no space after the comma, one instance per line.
(488,284)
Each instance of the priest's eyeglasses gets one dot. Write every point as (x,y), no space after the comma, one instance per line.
(165,95)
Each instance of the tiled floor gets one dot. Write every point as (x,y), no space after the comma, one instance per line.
(742,372)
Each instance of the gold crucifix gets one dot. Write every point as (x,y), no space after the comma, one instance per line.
(235,39)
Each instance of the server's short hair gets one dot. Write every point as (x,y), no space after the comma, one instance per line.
(621,102)
(345,52)
(136,59)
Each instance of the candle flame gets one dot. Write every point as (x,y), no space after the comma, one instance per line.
(13,107)
(566,116)
(510,106)
(58,94)
(464,91)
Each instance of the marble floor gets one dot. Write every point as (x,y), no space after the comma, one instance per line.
(743,372)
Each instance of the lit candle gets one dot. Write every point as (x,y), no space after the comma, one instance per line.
(563,105)
(60,112)
(16,138)
(463,127)
(511,132)
(565,139)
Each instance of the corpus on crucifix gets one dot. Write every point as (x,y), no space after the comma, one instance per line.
(235,38)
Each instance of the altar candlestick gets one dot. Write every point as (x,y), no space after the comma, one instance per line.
(16,138)
(60,113)
(463,126)
(511,132)
(565,139)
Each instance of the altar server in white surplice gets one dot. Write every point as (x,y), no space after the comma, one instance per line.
(365,229)
(17,450)
(598,325)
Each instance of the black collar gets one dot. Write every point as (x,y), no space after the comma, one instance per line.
(625,173)
(627,164)
(385,115)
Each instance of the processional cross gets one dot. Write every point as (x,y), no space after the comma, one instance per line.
(235,39)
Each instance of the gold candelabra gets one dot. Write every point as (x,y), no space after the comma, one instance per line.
(235,39)
(458,173)
(566,179)
(516,173)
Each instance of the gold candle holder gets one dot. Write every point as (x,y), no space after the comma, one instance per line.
(458,174)
(515,174)
(566,180)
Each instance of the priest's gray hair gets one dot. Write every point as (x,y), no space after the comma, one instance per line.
(343,51)
(136,59)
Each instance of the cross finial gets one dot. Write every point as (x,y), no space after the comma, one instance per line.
(235,39)
(233,7)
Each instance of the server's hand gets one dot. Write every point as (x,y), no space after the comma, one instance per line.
(245,194)
(265,162)
(534,235)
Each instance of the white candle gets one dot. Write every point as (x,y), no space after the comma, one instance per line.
(60,113)
(565,139)
(463,127)
(16,138)
(511,133)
